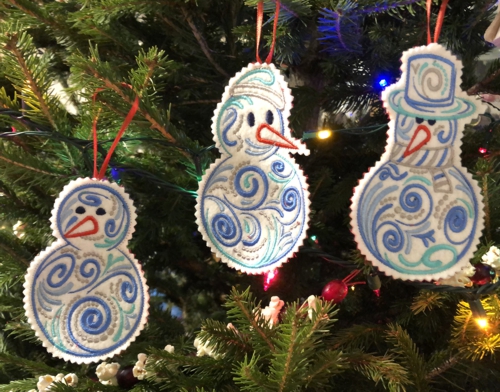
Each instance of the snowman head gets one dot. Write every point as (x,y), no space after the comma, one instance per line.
(93,214)
(418,131)
(252,118)
(427,103)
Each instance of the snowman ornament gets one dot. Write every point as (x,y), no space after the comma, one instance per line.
(252,207)
(85,295)
(418,214)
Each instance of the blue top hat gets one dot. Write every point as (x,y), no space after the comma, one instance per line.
(431,80)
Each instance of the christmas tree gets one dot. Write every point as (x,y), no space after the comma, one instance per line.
(63,64)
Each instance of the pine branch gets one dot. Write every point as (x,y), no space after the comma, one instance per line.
(380,369)
(91,68)
(202,42)
(327,363)
(12,47)
(407,351)
(28,167)
(242,305)
(427,300)
(287,369)
(357,336)
(19,386)
(34,367)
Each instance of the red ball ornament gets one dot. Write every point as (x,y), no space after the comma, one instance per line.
(335,291)
(484,274)
(125,377)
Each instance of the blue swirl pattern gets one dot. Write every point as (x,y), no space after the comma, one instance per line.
(409,227)
(258,215)
(88,303)
(252,205)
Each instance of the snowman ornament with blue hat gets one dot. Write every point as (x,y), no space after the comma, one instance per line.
(418,214)
(253,203)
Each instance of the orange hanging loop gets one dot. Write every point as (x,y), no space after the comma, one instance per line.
(260,18)
(128,119)
(439,22)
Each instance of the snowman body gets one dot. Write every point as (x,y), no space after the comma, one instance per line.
(253,202)
(418,213)
(85,295)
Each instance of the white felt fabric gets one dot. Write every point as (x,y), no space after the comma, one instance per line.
(85,295)
(253,203)
(418,214)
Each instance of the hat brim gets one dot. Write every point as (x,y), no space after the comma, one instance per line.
(460,108)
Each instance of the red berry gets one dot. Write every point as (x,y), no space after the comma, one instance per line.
(125,377)
(335,291)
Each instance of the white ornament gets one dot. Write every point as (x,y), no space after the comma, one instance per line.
(71,379)
(460,279)
(44,382)
(312,301)
(272,311)
(106,373)
(169,348)
(418,213)
(203,349)
(253,204)
(85,295)
(139,370)
(492,257)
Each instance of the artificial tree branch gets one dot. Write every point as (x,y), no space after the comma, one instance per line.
(203,43)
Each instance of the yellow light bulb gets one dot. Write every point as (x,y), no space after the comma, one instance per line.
(324,134)
(482,322)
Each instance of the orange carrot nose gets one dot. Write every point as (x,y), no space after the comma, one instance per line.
(87,226)
(268,135)
(420,138)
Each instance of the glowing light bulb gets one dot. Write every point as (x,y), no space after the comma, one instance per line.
(314,238)
(482,322)
(377,292)
(382,83)
(483,150)
(324,134)
(269,278)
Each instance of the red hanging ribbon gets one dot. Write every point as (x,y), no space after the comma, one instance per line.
(126,123)
(439,22)
(260,18)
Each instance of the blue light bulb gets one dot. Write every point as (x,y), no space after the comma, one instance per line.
(382,83)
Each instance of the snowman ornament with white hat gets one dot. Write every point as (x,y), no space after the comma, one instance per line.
(418,214)
(253,202)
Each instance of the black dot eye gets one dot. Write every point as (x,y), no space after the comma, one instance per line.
(100,211)
(431,122)
(269,117)
(80,210)
(251,119)
(419,120)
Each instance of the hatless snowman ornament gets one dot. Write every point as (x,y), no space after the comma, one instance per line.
(85,295)
(418,214)
(253,204)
